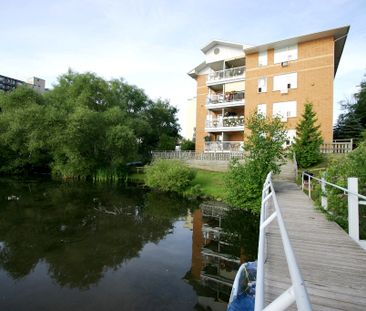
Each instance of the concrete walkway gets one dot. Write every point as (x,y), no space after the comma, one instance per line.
(332,264)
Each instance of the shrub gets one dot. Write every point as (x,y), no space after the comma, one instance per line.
(352,165)
(187,144)
(169,175)
(244,182)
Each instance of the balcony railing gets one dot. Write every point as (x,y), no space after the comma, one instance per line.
(224,146)
(226,74)
(225,98)
(226,122)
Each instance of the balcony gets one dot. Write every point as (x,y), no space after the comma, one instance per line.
(225,124)
(226,75)
(224,146)
(232,99)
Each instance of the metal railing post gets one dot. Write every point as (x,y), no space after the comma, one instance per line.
(324,200)
(353,217)
(309,186)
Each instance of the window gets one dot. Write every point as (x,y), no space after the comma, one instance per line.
(262,85)
(284,110)
(290,137)
(262,109)
(284,82)
(262,58)
(285,54)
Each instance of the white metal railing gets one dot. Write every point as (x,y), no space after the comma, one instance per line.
(354,200)
(338,146)
(230,73)
(224,146)
(297,291)
(232,121)
(192,155)
(221,98)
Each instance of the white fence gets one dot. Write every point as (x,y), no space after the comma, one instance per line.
(354,200)
(192,155)
(297,291)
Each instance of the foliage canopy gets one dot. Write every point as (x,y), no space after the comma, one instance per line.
(264,153)
(84,126)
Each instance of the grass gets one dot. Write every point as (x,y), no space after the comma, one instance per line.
(211,183)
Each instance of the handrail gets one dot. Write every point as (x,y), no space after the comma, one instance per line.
(330,184)
(297,291)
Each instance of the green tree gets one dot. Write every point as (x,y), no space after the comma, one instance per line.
(83,128)
(352,122)
(264,153)
(187,144)
(308,138)
(23,134)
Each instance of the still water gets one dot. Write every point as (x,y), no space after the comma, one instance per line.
(81,246)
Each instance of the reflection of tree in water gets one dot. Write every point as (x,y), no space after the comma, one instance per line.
(241,233)
(68,226)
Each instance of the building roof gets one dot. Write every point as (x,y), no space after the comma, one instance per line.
(339,35)
(210,45)
(194,72)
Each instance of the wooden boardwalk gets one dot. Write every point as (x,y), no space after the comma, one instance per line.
(332,264)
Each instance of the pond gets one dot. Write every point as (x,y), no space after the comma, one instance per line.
(84,246)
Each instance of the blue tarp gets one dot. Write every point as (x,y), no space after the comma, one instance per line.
(243,292)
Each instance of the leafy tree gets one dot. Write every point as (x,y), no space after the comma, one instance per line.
(22,132)
(264,153)
(187,144)
(84,127)
(352,122)
(308,139)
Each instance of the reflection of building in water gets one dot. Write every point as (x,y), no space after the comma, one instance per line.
(213,265)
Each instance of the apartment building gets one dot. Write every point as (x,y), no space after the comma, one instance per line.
(8,84)
(275,79)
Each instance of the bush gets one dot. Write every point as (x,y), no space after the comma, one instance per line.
(265,153)
(351,165)
(169,175)
(187,144)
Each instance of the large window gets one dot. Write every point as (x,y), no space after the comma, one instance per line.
(284,82)
(262,58)
(262,109)
(285,54)
(262,85)
(284,110)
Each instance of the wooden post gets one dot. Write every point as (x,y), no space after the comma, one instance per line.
(302,181)
(324,200)
(353,217)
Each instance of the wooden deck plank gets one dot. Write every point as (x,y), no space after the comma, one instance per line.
(332,264)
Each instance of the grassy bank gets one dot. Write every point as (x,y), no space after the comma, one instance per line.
(210,183)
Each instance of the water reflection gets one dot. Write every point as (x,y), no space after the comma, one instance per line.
(71,245)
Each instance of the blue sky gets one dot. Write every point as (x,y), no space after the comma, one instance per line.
(153,44)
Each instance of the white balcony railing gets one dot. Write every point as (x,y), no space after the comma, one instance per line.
(224,146)
(226,122)
(225,98)
(226,74)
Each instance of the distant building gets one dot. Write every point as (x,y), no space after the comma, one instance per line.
(38,84)
(8,84)
(189,115)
